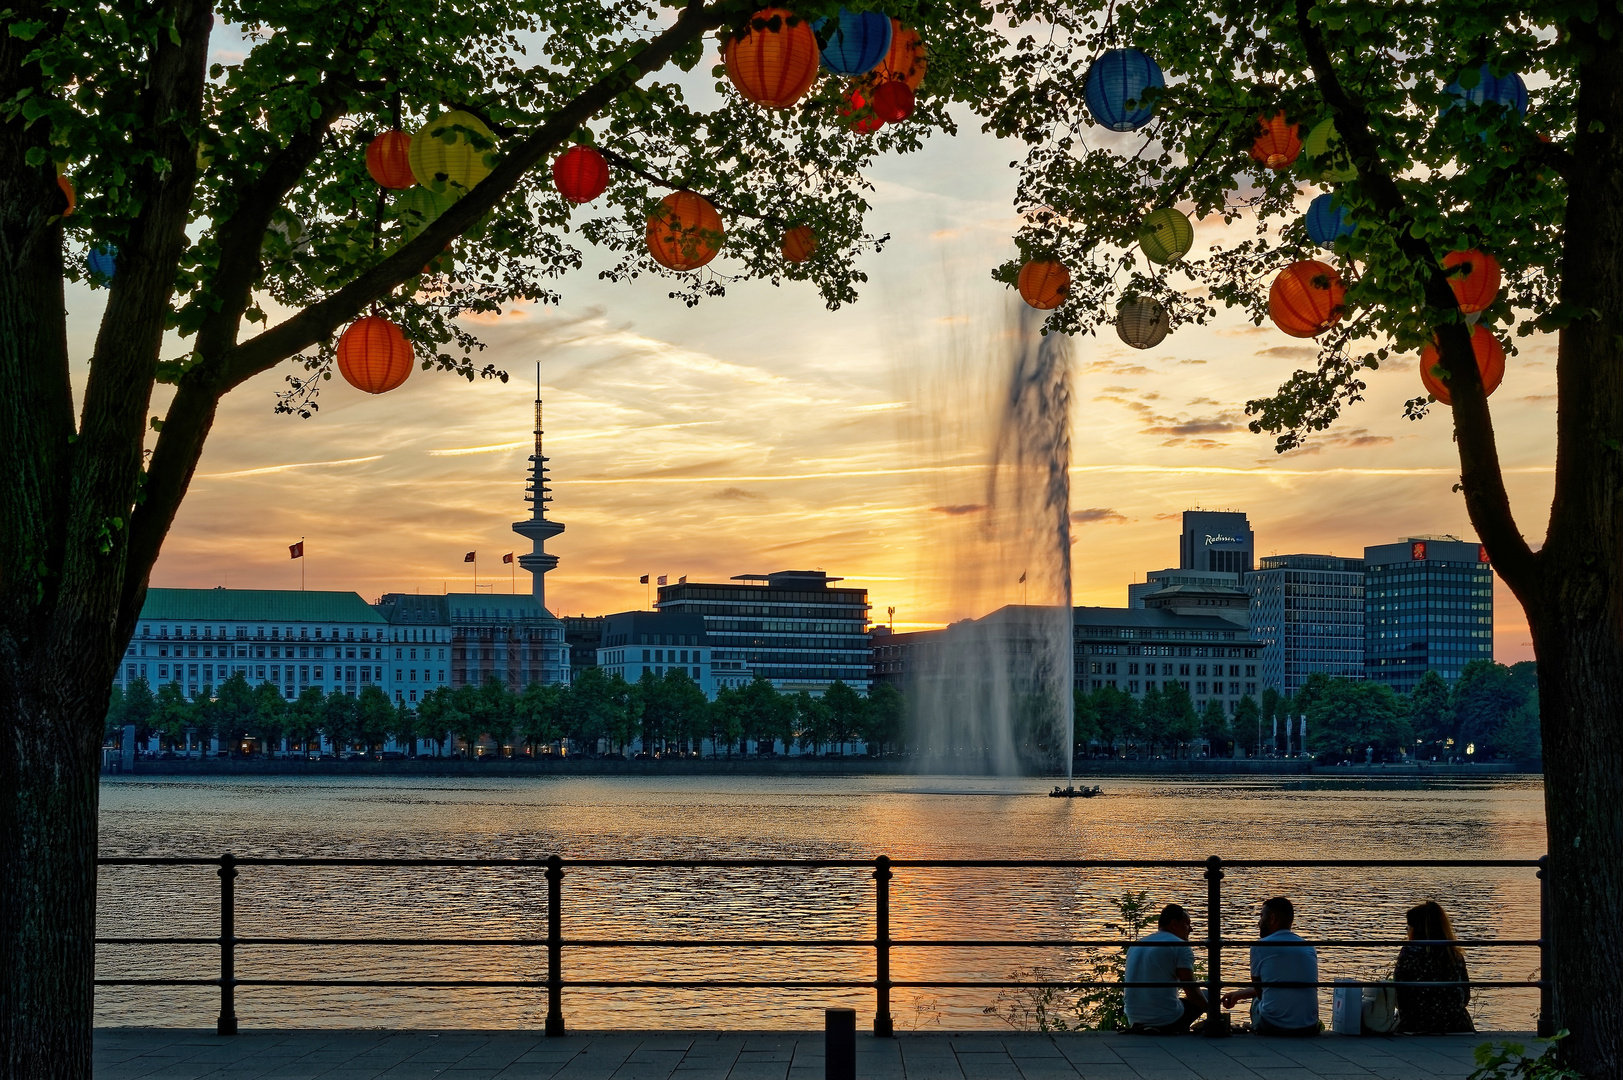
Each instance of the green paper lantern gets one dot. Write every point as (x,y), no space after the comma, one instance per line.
(417,207)
(1165,235)
(1326,154)
(452,152)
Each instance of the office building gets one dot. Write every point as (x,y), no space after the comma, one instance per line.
(1156,580)
(656,642)
(1428,606)
(584,636)
(1308,613)
(1216,540)
(472,637)
(794,627)
(1213,656)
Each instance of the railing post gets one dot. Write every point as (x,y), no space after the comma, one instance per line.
(227,1023)
(1546,973)
(1214,948)
(882,1025)
(555,952)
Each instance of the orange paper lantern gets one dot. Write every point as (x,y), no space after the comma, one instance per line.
(1307,298)
(774,61)
(581,173)
(66,186)
(388,159)
(905,60)
(799,243)
(685,232)
(1277,142)
(1490,362)
(1044,284)
(373,355)
(1474,277)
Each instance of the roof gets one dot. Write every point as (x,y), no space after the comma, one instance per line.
(257,605)
(1124,618)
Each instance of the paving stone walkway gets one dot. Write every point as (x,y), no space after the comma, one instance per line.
(172,1054)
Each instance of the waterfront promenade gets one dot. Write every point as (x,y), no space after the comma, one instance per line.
(172,1054)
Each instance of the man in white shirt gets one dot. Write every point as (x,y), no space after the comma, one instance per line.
(1157,1010)
(1280,1010)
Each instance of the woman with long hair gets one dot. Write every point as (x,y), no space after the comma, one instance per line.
(1432,1010)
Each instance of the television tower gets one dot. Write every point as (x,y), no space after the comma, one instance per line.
(537,528)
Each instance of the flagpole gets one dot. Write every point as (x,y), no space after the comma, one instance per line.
(301,564)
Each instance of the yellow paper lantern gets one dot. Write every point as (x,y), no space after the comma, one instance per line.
(453,152)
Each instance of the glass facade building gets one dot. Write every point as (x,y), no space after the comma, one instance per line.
(1428,606)
(1308,612)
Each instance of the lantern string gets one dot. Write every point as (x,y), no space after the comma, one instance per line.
(394,109)
(623,162)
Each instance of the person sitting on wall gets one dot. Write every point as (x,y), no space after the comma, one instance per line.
(1280,1010)
(1157,1010)
(1432,1010)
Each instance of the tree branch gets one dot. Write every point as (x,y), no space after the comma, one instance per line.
(1486,500)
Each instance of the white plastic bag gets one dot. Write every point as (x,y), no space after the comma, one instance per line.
(1347,1010)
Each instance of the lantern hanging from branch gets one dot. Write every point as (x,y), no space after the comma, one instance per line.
(905,60)
(1165,235)
(893,101)
(453,151)
(1474,277)
(66,187)
(1307,298)
(1117,86)
(1507,91)
(1277,142)
(418,207)
(285,237)
(684,231)
(373,355)
(774,61)
(1327,220)
(580,173)
(858,111)
(102,261)
(1327,158)
(857,41)
(1490,363)
(1044,283)
(388,160)
(799,243)
(1142,322)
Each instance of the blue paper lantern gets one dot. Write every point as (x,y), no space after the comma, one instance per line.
(1327,221)
(857,41)
(1115,88)
(1507,91)
(102,261)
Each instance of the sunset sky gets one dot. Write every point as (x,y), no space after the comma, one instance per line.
(760,432)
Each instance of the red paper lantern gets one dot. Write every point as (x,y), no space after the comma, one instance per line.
(859,114)
(1277,142)
(799,243)
(1490,362)
(388,159)
(774,61)
(905,60)
(373,355)
(1307,298)
(1474,277)
(1044,284)
(580,173)
(685,232)
(893,101)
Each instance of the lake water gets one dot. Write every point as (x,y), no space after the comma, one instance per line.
(845,817)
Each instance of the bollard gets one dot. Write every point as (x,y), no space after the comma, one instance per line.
(840,1044)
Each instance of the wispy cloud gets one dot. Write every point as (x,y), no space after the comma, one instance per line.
(269,470)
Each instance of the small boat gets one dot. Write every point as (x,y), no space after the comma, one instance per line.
(1069,792)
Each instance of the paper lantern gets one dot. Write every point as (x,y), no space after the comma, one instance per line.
(102,262)
(857,41)
(1115,87)
(799,243)
(1327,221)
(905,60)
(285,237)
(1327,158)
(1142,322)
(419,206)
(858,113)
(893,101)
(1277,142)
(373,355)
(66,187)
(1044,283)
(1507,91)
(1165,235)
(1307,298)
(684,232)
(1474,277)
(581,174)
(774,61)
(388,159)
(453,151)
(1490,363)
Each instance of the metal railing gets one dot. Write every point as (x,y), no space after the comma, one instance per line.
(554,868)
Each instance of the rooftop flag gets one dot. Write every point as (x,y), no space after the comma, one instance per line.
(468,557)
(663,579)
(296,551)
(508,557)
(643,580)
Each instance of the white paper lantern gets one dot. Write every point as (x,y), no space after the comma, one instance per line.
(1141,322)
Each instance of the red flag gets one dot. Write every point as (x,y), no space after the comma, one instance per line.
(468,557)
(296,551)
(508,557)
(643,580)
